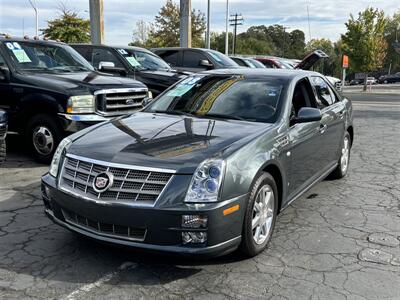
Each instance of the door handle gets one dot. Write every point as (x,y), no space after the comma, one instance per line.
(322,128)
(341,114)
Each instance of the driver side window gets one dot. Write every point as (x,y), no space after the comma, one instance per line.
(302,97)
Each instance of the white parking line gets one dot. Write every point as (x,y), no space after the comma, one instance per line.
(80,292)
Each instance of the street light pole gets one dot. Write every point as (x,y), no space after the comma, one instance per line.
(35,8)
(226,27)
(208,26)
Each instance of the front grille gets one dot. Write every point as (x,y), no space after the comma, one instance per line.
(3,130)
(120,231)
(117,102)
(129,185)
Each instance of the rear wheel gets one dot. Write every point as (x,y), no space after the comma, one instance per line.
(260,215)
(43,136)
(344,160)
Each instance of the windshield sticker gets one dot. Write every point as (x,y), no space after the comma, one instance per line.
(184,86)
(123,51)
(21,56)
(132,61)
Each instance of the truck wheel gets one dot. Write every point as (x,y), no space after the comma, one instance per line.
(43,136)
(2,151)
(260,215)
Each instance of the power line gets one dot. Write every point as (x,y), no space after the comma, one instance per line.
(235,20)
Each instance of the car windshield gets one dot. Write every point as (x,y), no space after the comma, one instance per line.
(143,60)
(46,57)
(222,59)
(224,97)
(256,63)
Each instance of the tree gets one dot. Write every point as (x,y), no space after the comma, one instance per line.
(68,28)
(365,41)
(141,34)
(326,66)
(392,34)
(165,32)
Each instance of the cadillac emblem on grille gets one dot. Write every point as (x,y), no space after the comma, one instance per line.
(103,181)
(129,101)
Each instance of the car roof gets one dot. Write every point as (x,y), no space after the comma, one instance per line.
(282,73)
(180,48)
(115,46)
(22,40)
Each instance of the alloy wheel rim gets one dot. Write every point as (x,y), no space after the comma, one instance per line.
(263,214)
(344,159)
(43,140)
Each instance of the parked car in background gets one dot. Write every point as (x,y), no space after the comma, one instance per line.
(356,82)
(49,90)
(207,166)
(392,78)
(3,133)
(273,63)
(195,59)
(248,62)
(371,80)
(137,63)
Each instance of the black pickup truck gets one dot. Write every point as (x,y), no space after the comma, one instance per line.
(3,132)
(49,90)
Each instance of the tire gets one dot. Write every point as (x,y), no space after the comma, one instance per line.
(265,184)
(2,151)
(43,135)
(344,160)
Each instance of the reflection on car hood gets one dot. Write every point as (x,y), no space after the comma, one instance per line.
(161,140)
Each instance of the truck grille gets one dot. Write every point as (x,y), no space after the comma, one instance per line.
(3,130)
(129,185)
(114,102)
(121,231)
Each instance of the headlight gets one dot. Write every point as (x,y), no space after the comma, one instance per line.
(65,143)
(206,182)
(80,104)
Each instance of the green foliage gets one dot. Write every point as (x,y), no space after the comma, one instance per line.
(392,29)
(68,28)
(329,66)
(365,41)
(165,31)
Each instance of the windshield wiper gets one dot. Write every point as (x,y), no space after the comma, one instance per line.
(222,116)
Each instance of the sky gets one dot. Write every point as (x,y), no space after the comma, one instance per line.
(327,17)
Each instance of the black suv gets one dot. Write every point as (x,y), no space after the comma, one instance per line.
(3,132)
(49,90)
(195,59)
(135,62)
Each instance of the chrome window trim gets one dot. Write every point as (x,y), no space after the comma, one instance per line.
(136,204)
(116,91)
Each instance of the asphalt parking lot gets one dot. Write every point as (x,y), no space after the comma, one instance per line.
(339,241)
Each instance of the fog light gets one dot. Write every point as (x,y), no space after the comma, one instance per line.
(194,221)
(45,190)
(194,237)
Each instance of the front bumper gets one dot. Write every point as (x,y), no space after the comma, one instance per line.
(3,130)
(73,123)
(161,225)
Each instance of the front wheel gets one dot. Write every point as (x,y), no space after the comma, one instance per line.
(260,215)
(344,160)
(43,136)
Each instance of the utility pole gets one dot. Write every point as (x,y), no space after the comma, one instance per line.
(35,8)
(185,30)
(97,21)
(226,28)
(208,26)
(284,38)
(309,26)
(235,20)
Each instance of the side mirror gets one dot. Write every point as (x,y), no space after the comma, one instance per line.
(205,63)
(4,73)
(307,115)
(106,64)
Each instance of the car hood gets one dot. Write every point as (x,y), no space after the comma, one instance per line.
(78,82)
(164,141)
(173,74)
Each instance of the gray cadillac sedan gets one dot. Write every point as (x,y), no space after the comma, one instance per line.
(206,167)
